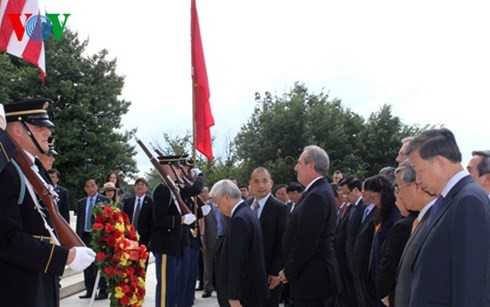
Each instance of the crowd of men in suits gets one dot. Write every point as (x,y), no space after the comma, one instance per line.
(415,235)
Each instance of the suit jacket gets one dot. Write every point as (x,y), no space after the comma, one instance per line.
(273,220)
(379,238)
(311,267)
(362,247)
(391,252)
(63,202)
(448,263)
(81,212)
(240,269)
(144,219)
(352,230)
(30,266)
(211,227)
(166,230)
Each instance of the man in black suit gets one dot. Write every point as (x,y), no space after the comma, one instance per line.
(63,193)
(364,285)
(450,260)
(311,267)
(273,214)
(85,221)
(139,210)
(214,229)
(240,270)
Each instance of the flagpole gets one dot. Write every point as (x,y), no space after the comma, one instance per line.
(193,96)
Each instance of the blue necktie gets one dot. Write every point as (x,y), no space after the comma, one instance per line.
(366,213)
(88,218)
(435,207)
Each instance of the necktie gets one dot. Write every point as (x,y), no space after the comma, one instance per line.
(415,224)
(88,218)
(418,223)
(366,213)
(435,208)
(344,209)
(137,213)
(256,208)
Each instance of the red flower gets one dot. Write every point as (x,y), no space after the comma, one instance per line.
(100,256)
(112,247)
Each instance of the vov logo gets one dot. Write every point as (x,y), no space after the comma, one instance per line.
(38,27)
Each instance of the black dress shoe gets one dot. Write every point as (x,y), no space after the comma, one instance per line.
(86,295)
(206,294)
(101,296)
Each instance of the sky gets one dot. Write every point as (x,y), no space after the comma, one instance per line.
(430,60)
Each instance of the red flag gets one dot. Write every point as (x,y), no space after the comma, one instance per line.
(202,109)
(13,38)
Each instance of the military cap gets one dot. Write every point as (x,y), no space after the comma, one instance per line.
(51,150)
(32,111)
(173,159)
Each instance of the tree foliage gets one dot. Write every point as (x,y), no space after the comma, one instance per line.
(86,111)
(281,127)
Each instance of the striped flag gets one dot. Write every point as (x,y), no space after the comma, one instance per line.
(202,109)
(19,43)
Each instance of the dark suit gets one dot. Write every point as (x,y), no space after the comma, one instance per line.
(346,297)
(352,229)
(90,273)
(447,260)
(240,269)
(63,202)
(311,267)
(391,252)
(30,267)
(211,241)
(144,219)
(273,220)
(365,289)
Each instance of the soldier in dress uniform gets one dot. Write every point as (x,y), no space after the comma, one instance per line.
(166,238)
(30,261)
(191,182)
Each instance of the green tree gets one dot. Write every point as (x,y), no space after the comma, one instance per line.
(281,127)
(86,110)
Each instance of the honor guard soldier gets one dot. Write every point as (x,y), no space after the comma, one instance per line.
(166,237)
(191,182)
(30,260)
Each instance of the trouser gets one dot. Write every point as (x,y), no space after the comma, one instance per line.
(190,266)
(90,273)
(208,256)
(168,271)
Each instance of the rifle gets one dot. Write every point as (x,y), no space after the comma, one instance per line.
(66,235)
(188,180)
(163,174)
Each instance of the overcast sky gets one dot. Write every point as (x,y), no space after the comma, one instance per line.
(428,59)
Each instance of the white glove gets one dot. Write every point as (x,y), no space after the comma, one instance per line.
(189,218)
(195,172)
(3,123)
(84,256)
(205,209)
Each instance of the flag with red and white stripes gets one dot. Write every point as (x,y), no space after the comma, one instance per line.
(20,44)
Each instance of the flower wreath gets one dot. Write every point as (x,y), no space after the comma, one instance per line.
(120,259)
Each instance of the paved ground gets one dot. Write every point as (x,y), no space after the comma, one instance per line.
(73,300)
